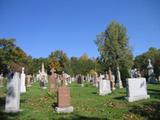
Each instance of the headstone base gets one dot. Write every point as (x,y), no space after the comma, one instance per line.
(82,85)
(136,98)
(105,93)
(28,85)
(13,111)
(23,90)
(119,85)
(44,88)
(64,109)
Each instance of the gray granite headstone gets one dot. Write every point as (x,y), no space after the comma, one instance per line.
(12,104)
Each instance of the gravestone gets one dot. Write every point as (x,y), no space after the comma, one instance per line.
(136,89)
(43,74)
(151,75)
(111,78)
(42,82)
(52,82)
(12,104)
(29,82)
(64,105)
(1,80)
(119,81)
(104,87)
(80,80)
(23,78)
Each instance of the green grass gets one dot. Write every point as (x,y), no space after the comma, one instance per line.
(38,104)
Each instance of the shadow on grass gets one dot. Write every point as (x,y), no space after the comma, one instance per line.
(94,93)
(154,93)
(120,98)
(4,115)
(80,117)
(149,110)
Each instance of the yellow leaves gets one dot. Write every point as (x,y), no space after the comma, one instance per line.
(53,63)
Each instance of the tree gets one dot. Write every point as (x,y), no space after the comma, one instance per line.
(58,60)
(12,57)
(36,64)
(114,48)
(141,61)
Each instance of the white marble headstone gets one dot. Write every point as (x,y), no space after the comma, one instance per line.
(137,89)
(23,78)
(13,94)
(104,87)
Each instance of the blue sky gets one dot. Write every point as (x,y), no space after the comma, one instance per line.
(42,26)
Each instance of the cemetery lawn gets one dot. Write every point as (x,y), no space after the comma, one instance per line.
(38,104)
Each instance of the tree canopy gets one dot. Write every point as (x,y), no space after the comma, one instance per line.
(113,46)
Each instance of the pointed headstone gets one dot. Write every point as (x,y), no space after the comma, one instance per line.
(119,81)
(23,78)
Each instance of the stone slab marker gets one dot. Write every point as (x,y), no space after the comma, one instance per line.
(64,105)
(104,87)
(111,79)
(12,104)
(23,78)
(64,97)
(137,89)
(52,82)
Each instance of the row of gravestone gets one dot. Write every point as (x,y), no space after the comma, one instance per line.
(16,85)
(136,90)
(136,87)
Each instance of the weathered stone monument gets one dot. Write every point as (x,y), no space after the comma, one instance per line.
(80,80)
(151,75)
(135,73)
(52,81)
(43,74)
(137,89)
(23,78)
(1,80)
(119,81)
(111,79)
(104,87)
(12,104)
(29,82)
(64,105)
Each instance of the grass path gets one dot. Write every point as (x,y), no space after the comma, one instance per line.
(38,104)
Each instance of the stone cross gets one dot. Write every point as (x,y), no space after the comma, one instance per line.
(52,79)
(63,79)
